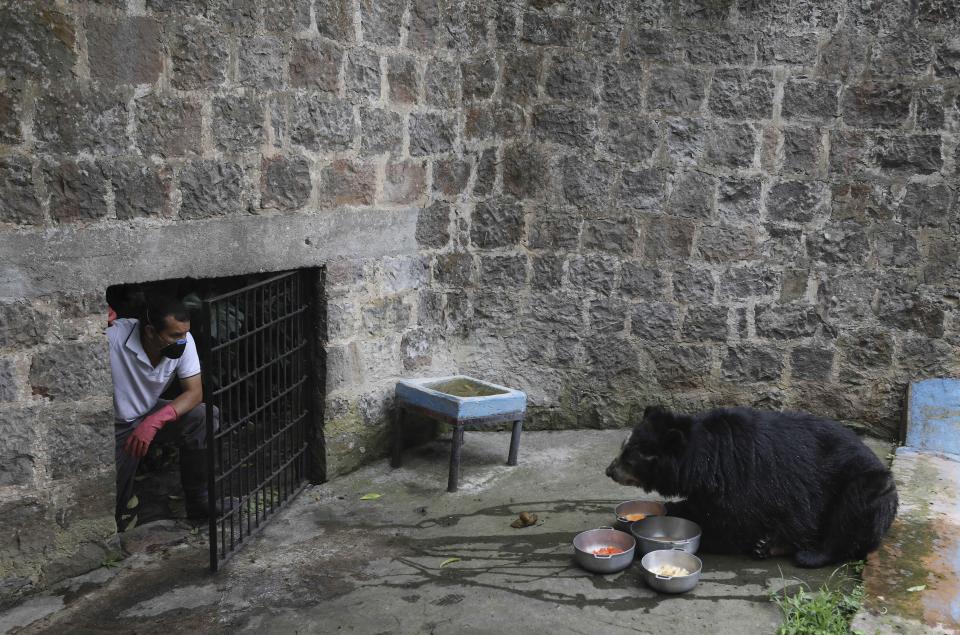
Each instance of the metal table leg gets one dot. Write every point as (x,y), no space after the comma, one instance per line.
(397,459)
(515,442)
(456,445)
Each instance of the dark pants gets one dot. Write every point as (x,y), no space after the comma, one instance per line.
(189,433)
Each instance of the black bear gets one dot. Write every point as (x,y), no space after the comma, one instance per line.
(764,483)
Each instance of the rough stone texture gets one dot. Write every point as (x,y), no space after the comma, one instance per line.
(167,125)
(125,51)
(318,124)
(285,182)
(18,199)
(138,190)
(71,371)
(315,64)
(199,55)
(77,191)
(210,188)
(262,63)
(431,133)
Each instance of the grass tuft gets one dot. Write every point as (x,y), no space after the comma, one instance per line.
(826,611)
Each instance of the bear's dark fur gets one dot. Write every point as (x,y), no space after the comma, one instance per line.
(764,483)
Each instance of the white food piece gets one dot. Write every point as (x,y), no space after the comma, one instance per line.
(671,571)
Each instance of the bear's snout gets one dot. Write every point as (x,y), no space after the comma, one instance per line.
(612,469)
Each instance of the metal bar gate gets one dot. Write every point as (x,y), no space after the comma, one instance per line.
(259,375)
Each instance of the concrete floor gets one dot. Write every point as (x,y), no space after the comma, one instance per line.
(332,563)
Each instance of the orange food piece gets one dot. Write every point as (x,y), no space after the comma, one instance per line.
(634,517)
(607,551)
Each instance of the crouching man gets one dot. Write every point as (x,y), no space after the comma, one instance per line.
(145,358)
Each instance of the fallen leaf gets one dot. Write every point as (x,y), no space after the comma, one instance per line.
(133,502)
(449,561)
(917,589)
(370,497)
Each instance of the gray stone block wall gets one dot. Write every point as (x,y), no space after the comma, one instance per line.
(609,204)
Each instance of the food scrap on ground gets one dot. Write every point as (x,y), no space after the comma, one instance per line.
(524,520)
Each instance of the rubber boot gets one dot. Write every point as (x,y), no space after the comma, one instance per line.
(193,478)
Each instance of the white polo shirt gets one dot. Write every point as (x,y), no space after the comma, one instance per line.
(137,385)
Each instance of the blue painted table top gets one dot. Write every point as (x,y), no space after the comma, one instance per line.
(422,393)
(933,416)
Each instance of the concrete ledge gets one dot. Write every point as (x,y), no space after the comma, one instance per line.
(912,582)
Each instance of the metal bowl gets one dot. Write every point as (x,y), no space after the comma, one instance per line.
(666,532)
(586,542)
(671,584)
(648,508)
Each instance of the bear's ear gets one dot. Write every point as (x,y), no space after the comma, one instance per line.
(657,415)
(675,437)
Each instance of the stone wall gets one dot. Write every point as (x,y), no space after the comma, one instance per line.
(604,203)
(707,202)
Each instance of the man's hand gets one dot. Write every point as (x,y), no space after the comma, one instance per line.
(140,439)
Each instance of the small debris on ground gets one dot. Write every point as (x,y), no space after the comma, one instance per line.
(370,497)
(449,561)
(524,520)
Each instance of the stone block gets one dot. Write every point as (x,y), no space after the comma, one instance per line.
(908,311)
(622,85)
(8,380)
(497,222)
(752,362)
(455,269)
(424,24)
(19,440)
(593,272)
(930,108)
(719,48)
(862,202)
(37,43)
(786,49)
(403,79)
(479,78)
(521,72)
(740,94)
(79,441)
(667,238)
(335,19)
(850,153)
(315,65)
(210,187)
(433,225)
(893,245)
(641,43)
(262,63)
(238,123)
(705,323)
(642,281)
(844,55)
(630,137)
(237,16)
(731,145)
(798,201)
(908,154)
(442,84)
(867,349)
(927,357)
(545,28)
(782,244)
(405,182)
(612,357)
(641,190)
(738,284)
(572,77)
(73,120)
(692,195)
(285,182)
(22,325)
(381,21)
(901,53)
(139,190)
(70,371)
(199,56)
(321,125)
(124,51)
(946,62)
(415,349)
(555,228)
(693,285)
(849,296)
(346,182)
(361,74)
(565,125)
(546,272)
(676,90)
(738,199)
(802,148)
(483,122)
(11,113)
(77,191)
(728,243)
(786,321)
(614,235)
(876,105)
(556,309)
(385,315)
(498,272)
(838,242)
(432,133)
(487,168)
(927,205)
(682,365)
(18,198)
(167,125)
(811,363)
(810,99)
(450,176)
(380,131)
(525,170)
(587,182)
(608,314)
(685,140)
(26,532)
(286,16)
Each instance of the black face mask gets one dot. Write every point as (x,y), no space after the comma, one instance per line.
(175,350)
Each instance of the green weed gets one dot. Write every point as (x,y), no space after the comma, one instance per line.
(826,611)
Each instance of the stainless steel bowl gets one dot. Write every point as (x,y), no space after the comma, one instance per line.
(586,542)
(671,584)
(648,508)
(666,532)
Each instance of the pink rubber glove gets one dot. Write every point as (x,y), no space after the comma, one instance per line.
(140,439)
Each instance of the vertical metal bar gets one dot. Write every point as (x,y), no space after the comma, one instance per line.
(515,442)
(207,379)
(453,480)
